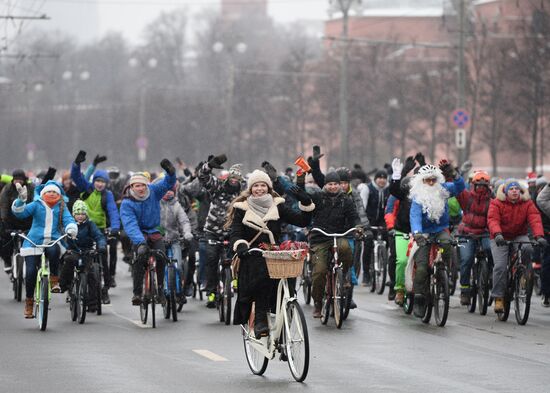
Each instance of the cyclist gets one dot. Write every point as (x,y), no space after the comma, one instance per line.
(509,216)
(475,205)
(429,218)
(50,217)
(71,192)
(256,217)
(116,186)
(88,235)
(221,194)
(102,209)
(375,197)
(543,203)
(9,221)
(397,216)
(174,224)
(335,212)
(140,215)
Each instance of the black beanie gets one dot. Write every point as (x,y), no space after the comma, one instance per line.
(19,174)
(381,174)
(332,177)
(344,174)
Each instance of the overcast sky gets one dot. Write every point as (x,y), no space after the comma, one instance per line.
(140,15)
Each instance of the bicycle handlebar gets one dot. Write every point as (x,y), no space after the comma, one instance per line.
(334,234)
(51,244)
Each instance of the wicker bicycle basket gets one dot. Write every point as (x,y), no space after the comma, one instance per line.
(284,264)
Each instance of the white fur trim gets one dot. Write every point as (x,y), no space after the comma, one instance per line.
(238,243)
(50,187)
(308,208)
(17,209)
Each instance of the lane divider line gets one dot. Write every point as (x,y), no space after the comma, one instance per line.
(210,355)
(137,323)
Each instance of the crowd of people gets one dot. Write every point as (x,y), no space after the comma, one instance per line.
(196,209)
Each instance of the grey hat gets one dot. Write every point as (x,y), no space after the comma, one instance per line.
(332,177)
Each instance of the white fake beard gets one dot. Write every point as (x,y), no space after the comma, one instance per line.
(432,198)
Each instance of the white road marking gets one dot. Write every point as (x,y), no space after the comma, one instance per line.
(137,323)
(210,355)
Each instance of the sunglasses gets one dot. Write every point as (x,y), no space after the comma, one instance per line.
(430,180)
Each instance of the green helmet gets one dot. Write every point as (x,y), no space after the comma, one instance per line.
(80,207)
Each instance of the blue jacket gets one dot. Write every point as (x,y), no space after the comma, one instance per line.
(45,222)
(144,216)
(86,187)
(419,220)
(88,234)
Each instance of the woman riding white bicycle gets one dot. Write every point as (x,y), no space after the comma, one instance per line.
(50,218)
(255,217)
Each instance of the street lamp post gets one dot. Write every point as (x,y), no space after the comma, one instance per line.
(240,48)
(393,107)
(142,141)
(83,76)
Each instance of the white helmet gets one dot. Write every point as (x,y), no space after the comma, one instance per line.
(430,171)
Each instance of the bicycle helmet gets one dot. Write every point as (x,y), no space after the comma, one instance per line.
(481,178)
(80,207)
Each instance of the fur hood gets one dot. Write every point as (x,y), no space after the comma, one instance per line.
(252,220)
(501,196)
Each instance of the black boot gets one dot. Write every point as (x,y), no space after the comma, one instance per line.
(261,329)
(105,296)
(419,305)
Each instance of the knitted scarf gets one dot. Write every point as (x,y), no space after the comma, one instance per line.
(260,205)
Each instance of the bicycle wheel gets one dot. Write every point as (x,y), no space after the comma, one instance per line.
(382,270)
(474,275)
(154,295)
(73,300)
(523,289)
(255,359)
(43,302)
(440,296)
(296,341)
(81,298)
(453,270)
(144,305)
(483,286)
(166,307)
(372,272)
(97,289)
(349,296)
(339,299)
(173,305)
(503,316)
(227,294)
(428,313)
(327,300)
(19,281)
(408,303)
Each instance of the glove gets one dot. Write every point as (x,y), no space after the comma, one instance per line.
(187,172)
(50,174)
(168,166)
(188,236)
(217,161)
(22,191)
(99,159)
(397,168)
(499,240)
(80,157)
(142,250)
(359,232)
(542,242)
(72,232)
(421,239)
(242,250)
(420,159)
(447,169)
(270,170)
(465,168)
(388,168)
(409,166)
(317,153)
(300,195)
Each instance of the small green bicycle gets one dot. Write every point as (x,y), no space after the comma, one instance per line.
(42,291)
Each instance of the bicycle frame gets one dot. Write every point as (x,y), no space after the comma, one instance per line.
(268,346)
(172,263)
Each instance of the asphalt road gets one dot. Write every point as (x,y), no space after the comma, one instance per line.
(379,349)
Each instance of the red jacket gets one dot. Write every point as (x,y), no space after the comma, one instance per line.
(511,219)
(475,205)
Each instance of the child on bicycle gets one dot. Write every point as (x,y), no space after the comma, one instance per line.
(509,216)
(88,235)
(50,217)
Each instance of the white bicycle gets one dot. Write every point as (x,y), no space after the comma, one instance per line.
(287,327)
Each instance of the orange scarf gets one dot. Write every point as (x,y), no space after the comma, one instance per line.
(51,200)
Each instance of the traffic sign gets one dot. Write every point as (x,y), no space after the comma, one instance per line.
(460,138)
(460,118)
